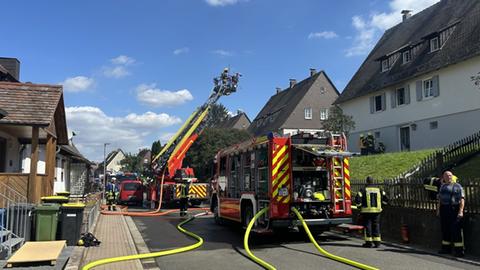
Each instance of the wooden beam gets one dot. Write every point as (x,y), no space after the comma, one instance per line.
(50,163)
(34,187)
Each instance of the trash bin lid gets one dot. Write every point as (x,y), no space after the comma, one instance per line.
(58,199)
(73,205)
(48,206)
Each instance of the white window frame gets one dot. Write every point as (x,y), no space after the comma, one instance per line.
(375,103)
(385,66)
(427,93)
(397,96)
(406,56)
(432,42)
(323,113)
(308,113)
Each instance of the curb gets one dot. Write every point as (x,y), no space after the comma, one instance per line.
(140,245)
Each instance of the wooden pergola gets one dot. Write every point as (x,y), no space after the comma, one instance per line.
(36,115)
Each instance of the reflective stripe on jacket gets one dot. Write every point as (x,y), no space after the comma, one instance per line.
(370,200)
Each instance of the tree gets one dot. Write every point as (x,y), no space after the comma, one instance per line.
(203,151)
(131,163)
(338,121)
(156,148)
(217,114)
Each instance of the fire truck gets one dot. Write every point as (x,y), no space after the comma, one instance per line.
(168,164)
(307,171)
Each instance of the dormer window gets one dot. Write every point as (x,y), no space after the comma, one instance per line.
(407,56)
(434,44)
(384,65)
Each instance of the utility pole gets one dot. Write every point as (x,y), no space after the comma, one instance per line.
(104,169)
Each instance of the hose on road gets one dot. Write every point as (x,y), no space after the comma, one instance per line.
(245,242)
(154,254)
(326,253)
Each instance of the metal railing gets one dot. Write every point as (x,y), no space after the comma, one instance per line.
(15,219)
(92,216)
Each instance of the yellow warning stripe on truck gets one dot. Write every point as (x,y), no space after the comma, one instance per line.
(194,191)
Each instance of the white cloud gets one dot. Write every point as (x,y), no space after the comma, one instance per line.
(152,96)
(369,30)
(122,60)
(323,34)
(222,52)
(181,50)
(221,3)
(130,133)
(77,84)
(116,72)
(119,67)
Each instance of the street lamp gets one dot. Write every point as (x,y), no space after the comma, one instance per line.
(104,169)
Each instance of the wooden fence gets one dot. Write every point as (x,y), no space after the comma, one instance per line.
(447,157)
(410,193)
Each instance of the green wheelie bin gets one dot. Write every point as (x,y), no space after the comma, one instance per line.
(46,222)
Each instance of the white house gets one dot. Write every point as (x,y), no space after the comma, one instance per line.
(417,89)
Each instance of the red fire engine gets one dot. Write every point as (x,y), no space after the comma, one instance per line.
(307,171)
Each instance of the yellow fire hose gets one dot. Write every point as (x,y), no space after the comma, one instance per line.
(245,242)
(154,254)
(327,254)
(310,236)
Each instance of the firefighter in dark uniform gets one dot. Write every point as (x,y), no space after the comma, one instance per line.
(369,200)
(451,201)
(184,187)
(370,141)
(112,192)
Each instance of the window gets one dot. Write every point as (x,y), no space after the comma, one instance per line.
(323,114)
(407,56)
(401,96)
(428,88)
(434,125)
(384,65)
(378,103)
(308,113)
(434,45)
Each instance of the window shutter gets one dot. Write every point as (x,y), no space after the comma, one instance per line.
(419,90)
(384,102)
(393,95)
(407,94)
(436,88)
(372,104)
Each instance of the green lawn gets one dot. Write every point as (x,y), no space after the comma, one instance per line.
(469,170)
(385,166)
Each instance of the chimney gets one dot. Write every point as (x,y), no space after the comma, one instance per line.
(292,82)
(278,89)
(12,65)
(406,14)
(313,72)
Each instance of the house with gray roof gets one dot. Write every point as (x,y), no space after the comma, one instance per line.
(239,121)
(302,107)
(416,89)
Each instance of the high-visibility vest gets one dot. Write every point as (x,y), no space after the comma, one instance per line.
(371,201)
(183,191)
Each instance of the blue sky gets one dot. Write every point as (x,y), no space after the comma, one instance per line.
(134,70)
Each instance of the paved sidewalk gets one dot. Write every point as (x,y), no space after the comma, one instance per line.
(116,240)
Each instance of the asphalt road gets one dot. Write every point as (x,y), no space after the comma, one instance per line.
(223,249)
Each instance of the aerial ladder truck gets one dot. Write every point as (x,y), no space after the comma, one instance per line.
(168,163)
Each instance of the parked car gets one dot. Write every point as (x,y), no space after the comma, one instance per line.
(131,191)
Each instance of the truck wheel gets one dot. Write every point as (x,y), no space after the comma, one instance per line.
(247,216)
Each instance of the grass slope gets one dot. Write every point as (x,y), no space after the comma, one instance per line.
(469,170)
(385,166)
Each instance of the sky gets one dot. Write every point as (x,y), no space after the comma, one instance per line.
(133,70)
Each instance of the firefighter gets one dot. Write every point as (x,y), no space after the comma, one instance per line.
(370,143)
(362,144)
(451,201)
(112,192)
(369,200)
(184,187)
